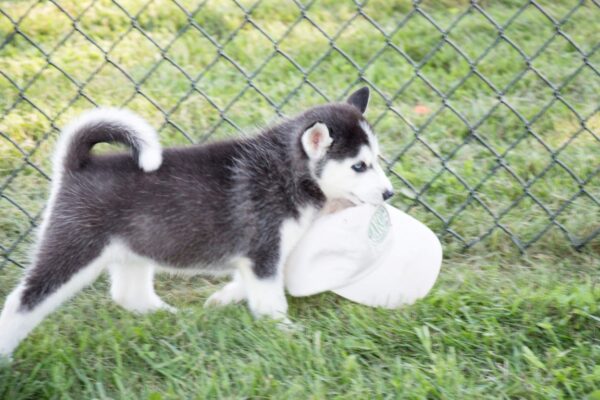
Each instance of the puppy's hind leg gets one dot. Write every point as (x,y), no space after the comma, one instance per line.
(57,274)
(132,286)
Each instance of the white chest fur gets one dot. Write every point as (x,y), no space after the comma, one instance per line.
(292,230)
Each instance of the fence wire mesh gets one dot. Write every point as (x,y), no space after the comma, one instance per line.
(488,111)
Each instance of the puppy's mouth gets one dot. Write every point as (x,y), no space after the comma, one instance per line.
(355,199)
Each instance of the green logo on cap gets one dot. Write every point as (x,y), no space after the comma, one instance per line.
(379,227)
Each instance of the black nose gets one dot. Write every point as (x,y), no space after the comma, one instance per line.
(387,194)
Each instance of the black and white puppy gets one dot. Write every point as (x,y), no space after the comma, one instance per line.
(236,207)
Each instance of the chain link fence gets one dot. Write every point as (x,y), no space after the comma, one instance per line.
(488,112)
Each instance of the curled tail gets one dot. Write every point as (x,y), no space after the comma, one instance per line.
(107,125)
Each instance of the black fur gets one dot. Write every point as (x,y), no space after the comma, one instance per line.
(360,99)
(205,204)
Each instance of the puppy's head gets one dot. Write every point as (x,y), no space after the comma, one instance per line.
(343,151)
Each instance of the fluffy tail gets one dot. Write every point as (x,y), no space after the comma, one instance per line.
(107,125)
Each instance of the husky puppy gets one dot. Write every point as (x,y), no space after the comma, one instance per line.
(236,207)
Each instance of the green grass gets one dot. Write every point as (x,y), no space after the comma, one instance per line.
(495,326)
(491,328)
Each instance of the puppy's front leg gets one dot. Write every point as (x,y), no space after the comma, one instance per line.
(264,288)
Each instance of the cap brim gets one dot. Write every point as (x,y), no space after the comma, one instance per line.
(405,273)
(335,255)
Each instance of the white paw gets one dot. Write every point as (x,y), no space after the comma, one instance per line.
(146,306)
(231,293)
(271,306)
(167,307)
(287,326)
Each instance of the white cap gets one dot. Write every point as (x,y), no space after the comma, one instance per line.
(373,255)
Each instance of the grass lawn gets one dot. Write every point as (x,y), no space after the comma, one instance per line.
(496,325)
(491,328)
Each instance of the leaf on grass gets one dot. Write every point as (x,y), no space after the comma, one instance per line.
(421,109)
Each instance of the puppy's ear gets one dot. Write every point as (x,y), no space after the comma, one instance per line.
(316,140)
(360,99)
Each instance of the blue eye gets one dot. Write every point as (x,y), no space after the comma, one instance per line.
(360,167)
